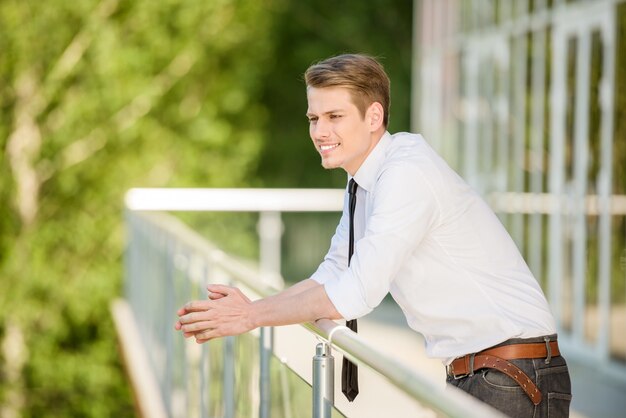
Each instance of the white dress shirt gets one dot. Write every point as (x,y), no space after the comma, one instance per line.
(423,235)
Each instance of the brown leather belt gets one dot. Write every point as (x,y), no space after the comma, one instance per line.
(497,358)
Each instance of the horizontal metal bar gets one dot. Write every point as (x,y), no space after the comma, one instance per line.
(511,202)
(331,200)
(237,200)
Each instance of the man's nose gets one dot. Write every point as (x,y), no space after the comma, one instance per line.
(320,130)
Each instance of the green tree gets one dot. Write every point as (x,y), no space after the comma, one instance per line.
(97,97)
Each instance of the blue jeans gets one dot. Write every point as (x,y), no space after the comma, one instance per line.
(503,393)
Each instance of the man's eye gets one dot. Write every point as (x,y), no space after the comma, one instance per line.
(335,116)
(312,120)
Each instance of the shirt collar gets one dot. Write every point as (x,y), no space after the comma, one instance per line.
(366,175)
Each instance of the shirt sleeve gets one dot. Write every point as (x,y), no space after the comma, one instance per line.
(404,209)
(336,260)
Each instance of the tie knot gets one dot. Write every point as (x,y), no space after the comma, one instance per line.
(352,186)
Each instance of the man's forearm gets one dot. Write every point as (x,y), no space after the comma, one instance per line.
(303,302)
(229,312)
(299,287)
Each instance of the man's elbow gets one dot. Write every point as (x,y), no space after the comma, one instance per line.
(328,311)
(332,317)
(332,313)
(335,316)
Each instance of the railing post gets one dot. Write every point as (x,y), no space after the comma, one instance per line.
(270,230)
(228,377)
(265,346)
(323,381)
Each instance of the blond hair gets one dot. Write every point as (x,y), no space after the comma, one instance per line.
(362,75)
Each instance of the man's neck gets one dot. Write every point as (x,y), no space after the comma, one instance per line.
(375,136)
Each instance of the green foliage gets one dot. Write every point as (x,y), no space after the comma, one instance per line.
(307,32)
(101,96)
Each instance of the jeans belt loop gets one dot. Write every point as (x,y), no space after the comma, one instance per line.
(471,364)
(548,349)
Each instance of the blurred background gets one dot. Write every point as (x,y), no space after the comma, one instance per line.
(526,99)
(98,96)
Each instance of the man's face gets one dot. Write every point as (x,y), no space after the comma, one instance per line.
(341,135)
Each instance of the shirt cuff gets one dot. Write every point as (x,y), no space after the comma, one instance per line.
(321,276)
(345,294)
(326,271)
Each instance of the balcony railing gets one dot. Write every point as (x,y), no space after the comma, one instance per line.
(168,264)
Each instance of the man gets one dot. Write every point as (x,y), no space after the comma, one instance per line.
(421,234)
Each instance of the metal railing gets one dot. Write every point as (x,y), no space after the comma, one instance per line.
(168,264)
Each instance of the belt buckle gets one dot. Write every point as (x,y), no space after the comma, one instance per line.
(470,369)
(450,372)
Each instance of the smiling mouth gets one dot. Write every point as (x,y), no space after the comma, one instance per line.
(325,148)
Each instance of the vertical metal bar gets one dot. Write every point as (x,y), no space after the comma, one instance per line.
(537,140)
(502,133)
(581,154)
(185,381)
(168,388)
(453,105)
(286,391)
(427,50)
(488,74)
(205,365)
(556,175)
(489,13)
(193,287)
(520,51)
(228,378)
(605,179)
(270,229)
(506,11)
(265,347)
(470,70)
(323,381)
(436,76)
(205,382)
(451,53)
(474,15)
(417,65)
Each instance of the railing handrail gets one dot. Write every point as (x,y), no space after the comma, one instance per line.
(235,200)
(331,200)
(449,401)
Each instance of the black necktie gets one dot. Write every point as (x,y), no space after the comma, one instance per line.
(349,370)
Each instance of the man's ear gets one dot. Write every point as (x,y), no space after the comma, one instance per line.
(375,115)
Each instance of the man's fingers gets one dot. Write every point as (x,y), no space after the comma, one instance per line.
(221,289)
(197,326)
(196,317)
(218,291)
(215,317)
(202,337)
(194,306)
(216,296)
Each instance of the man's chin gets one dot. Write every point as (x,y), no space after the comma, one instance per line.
(329,165)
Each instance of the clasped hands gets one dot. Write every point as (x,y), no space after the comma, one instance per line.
(224,313)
